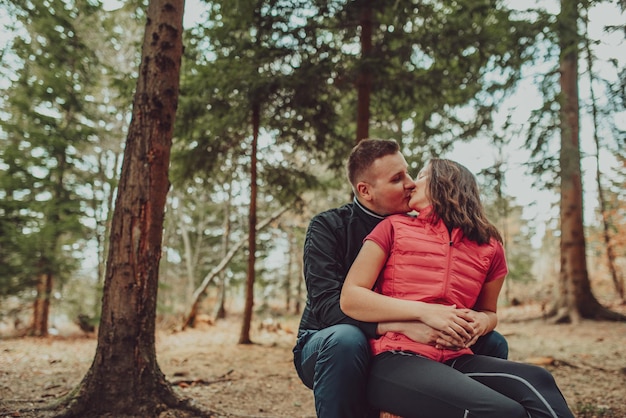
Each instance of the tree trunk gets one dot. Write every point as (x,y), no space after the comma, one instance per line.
(298,307)
(244,336)
(220,306)
(41,308)
(124,378)
(578,300)
(364,81)
(617,278)
(290,256)
(188,260)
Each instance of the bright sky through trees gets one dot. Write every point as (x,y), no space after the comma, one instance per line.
(479,154)
(542,206)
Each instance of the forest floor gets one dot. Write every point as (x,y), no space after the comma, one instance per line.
(258,380)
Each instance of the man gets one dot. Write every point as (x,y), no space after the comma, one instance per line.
(332,352)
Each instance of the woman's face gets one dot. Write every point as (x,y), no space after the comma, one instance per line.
(419,197)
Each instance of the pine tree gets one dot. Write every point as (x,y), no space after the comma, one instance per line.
(49,127)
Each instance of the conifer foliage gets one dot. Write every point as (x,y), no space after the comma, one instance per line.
(50,123)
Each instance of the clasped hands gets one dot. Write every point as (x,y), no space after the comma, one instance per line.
(447,326)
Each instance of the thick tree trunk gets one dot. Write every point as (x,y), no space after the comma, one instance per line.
(125,379)
(244,336)
(577,300)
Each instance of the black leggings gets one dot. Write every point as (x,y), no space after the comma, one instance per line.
(471,386)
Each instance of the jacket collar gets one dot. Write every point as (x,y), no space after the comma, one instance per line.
(367,211)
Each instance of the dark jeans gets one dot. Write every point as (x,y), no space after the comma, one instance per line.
(335,363)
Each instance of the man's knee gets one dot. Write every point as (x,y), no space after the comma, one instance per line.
(501,346)
(345,350)
(492,344)
(347,341)
(350,336)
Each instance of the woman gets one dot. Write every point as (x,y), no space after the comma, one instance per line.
(444,267)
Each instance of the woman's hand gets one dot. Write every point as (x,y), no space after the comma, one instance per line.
(454,323)
(482,323)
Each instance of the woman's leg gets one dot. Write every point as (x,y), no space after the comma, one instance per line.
(416,387)
(532,386)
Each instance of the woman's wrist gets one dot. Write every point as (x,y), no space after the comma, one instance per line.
(490,321)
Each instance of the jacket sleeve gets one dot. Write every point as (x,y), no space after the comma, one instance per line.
(324,274)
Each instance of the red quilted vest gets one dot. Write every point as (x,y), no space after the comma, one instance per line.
(425,264)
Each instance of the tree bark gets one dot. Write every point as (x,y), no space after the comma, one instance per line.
(290,256)
(244,336)
(220,306)
(124,378)
(298,306)
(364,81)
(41,306)
(578,300)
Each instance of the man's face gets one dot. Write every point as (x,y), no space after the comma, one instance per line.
(387,187)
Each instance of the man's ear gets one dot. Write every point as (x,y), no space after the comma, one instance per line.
(363,190)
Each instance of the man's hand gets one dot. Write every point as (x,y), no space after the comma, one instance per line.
(470,325)
(453,322)
(422,333)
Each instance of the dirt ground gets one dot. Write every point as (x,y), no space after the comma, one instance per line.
(208,366)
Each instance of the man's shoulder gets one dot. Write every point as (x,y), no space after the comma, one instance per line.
(337,214)
(336,220)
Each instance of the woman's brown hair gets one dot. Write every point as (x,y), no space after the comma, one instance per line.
(455,198)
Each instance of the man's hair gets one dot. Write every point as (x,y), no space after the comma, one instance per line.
(365,153)
(455,197)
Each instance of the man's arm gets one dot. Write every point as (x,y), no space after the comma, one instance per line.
(324,273)
(421,333)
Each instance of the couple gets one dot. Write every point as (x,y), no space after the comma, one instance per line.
(418,330)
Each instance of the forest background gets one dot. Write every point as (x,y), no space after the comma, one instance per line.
(272,97)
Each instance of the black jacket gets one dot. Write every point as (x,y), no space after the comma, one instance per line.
(332,242)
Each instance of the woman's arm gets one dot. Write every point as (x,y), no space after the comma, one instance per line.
(485,317)
(359,301)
